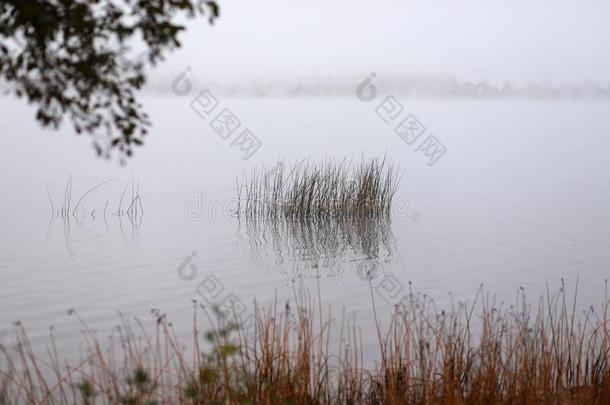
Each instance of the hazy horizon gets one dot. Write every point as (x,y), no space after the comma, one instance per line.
(559,43)
(204,188)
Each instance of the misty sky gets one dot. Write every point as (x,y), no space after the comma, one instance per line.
(545,41)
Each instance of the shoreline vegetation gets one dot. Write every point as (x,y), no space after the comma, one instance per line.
(476,353)
(431,86)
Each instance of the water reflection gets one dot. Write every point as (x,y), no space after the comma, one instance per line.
(328,244)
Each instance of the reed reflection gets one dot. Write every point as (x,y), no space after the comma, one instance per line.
(327,243)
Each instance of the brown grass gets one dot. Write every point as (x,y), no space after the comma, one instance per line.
(477,353)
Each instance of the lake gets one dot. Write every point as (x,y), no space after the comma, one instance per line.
(519,199)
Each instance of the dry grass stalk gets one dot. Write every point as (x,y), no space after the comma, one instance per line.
(477,353)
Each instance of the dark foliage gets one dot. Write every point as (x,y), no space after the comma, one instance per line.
(76,59)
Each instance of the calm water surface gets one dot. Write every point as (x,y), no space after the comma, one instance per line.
(520,199)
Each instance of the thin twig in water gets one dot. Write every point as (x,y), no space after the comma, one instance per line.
(119,212)
(50,200)
(87,193)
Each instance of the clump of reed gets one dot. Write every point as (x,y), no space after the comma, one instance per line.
(316,190)
(475,353)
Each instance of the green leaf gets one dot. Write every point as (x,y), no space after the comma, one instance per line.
(229,350)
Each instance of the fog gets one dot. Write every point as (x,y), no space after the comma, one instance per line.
(545,42)
(358,150)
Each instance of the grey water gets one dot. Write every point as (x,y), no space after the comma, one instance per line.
(519,199)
